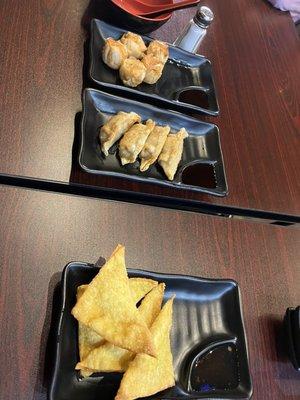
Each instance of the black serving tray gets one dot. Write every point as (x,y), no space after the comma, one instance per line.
(206,312)
(183,71)
(202,147)
(292,335)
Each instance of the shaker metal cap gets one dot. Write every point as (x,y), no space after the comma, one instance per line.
(204,16)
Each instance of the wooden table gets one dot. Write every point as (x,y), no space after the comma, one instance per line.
(255,54)
(41,232)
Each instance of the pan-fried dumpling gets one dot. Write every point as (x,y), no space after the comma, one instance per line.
(172,152)
(154,68)
(133,141)
(160,50)
(132,72)
(114,53)
(115,128)
(134,44)
(153,146)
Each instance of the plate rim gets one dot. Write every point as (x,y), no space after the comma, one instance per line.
(125,89)
(81,264)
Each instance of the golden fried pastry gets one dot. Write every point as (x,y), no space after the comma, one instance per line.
(132,72)
(133,141)
(154,68)
(148,375)
(172,152)
(134,44)
(110,358)
(159,49)
(115,128)
(114,53)
(153,146)
(107,307)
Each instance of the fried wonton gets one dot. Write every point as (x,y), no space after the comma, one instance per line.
(140,287)
(148,375)
(89,339)
(107,307)
(110,358)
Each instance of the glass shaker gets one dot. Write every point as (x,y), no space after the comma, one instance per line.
(195,30)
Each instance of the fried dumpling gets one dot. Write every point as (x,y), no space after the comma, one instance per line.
(154,68)
(171,153)
(115,128)
(153,373)
(132,72)
(160,50)
(134,44)
(87,338)
(133,141)
(153,146)
(110,358)
(114,53)
(107,307)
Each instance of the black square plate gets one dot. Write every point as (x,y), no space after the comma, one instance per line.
(183,71)
(201,168)
(207,314)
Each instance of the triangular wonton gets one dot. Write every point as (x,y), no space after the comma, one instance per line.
(148,375)
(107,306)
(110,358)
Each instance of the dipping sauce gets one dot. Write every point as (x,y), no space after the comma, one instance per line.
(198,174)
(194,97)
(218,369)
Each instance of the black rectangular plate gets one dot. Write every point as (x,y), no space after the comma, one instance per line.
(206,311)
(183,70)
(202,146)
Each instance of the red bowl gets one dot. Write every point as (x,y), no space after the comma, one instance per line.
(137,22)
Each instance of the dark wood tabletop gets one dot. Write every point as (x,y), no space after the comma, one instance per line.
(255,55)
(41,232)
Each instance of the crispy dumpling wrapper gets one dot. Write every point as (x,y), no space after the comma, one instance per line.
(114,53)
(140,287)
(171,153)
(115,127)
(154,68)
(107,307)
(132,72)
(110,358)
(153,146)
(134,44)
(89,339)
(148,375)
(133,141)
(159,49)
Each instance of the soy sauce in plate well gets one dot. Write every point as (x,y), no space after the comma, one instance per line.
(195,97)
(199,174)
(216,369)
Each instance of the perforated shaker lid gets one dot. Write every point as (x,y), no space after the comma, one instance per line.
(204,16)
